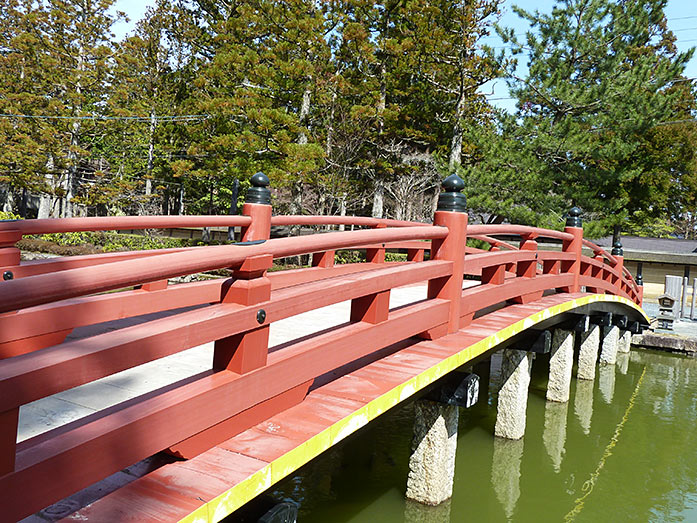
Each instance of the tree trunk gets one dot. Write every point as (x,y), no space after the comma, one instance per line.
(342,210)
(458,131)
(302,116)
(69,182)
(9,200)
(151,152)
(378,198)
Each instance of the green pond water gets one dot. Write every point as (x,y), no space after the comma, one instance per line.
(624,448)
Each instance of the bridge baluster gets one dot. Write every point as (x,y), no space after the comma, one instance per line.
(574,226)
(640,285)
(373,308)
(618,254)
(527,269)
(9,254)
(415,255)
(323,259)
(245,352)
(450,213)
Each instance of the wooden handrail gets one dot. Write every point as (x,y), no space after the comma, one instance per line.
(519,230)
(120,223)
(45,288)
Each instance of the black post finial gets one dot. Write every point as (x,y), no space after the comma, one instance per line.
(259,191)
(617,249)
(451,199)
(573,219)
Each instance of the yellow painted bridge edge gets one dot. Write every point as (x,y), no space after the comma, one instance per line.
(223,505)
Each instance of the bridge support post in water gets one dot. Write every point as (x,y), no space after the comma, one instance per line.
(611,337)
(588,353)
(560,366)
(513,394)
(432,461)
(625,341)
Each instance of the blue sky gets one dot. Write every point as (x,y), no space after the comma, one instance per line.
(682,19)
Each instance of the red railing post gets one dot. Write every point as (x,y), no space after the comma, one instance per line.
(9,254)
(9,258)
(258,208)
(640,287)
(527,269)
(618,254)
(450,213)
(574,226)
(249,285)
(373,308)
(323,259)
(247,351)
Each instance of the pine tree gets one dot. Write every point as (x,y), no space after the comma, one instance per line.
(28,139)
(76,46)
(600,77)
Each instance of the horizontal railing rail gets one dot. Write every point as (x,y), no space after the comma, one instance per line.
(120,223)
(45,288)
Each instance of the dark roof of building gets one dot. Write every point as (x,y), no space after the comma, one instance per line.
(635,243)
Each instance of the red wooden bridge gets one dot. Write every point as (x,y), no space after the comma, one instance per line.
(259,412)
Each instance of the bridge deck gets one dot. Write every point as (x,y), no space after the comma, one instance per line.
(217,482)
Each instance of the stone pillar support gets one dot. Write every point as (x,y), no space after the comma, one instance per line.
(588,353)
(513,395)
(432,461)
(625,341)
(610,340)
(560,366)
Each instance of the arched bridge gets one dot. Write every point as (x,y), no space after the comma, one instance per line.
(255,412)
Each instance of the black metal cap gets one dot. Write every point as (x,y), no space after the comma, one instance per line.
(639,280)
(451,199)
(617,249)
(573,219)
(259,191)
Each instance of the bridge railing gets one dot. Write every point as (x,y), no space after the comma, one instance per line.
(247,381)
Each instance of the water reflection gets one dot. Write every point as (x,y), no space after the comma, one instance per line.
(417,513)
(583,404)
(606,382)
(554,435)
(623,362)
(505,472)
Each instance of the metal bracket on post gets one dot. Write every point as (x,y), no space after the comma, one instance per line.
(459,389)
(537,341)
(636,327)
(604,319)
(619,320)
(576,323)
